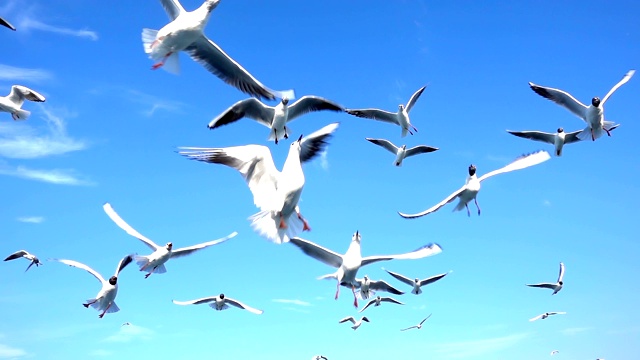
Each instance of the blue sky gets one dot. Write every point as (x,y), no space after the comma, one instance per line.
(110,128)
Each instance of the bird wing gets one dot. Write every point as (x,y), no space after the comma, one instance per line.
(382,285)
(255,164)
(536,318)
(5,23)
(432,279)
(318,252)
(348,318)
(556,312)
(543,285)
(385,144)
(127,228)
(420,149)
(573,137)
(535,135)
(410,327)
(251,108)
(561,274)
(123,263)
(419,253)
(622,81)
(391,300)
(196,301)
(208,54)
(314,143)
(19,93)
(173,8)
(400,277)
(375,114)
(311,103)
(240,305)
(16,255)
(437,206)
(83,267)
(521,162)
(562,98)
(425,319)
(191,249)
(366,306)
(414,98)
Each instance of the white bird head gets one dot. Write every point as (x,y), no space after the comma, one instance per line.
(400,107)
(472,170)
(595,101)
(356,237)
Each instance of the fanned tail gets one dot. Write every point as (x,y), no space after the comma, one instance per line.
(148,38)
(267,225)
(21,114)
(213,306)
(113,308)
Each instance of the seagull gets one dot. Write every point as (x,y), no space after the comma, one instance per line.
(593,115)
(275,193)
(557,286)
(105,300)
(319,357)
(356,324)
(12,103)
(546,315)
(7,24)
(24,254)
(154,263)
(554,352)
(400,118)
(559,139)
(472,186)
(185,33)
(379,300)
(416,283)
(368,287)
(219,303)
(349,263)
(273,117)
(402,152)
(419,326)
(125,324)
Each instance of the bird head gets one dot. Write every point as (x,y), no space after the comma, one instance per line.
(561,283)
(356,237)
(169,246)
(595,101)
(472,170)
(221,296)
(365,319)
(560,130)
(404,147)
(416,280)
(400,107)
(211,4)
(366,277)
(285,101)
(113,280)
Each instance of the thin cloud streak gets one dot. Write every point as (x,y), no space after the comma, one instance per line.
(30,23)
(13,73)
(31,219)
(292,301)
(8,352)
(130,333)
(54,176)
(475,348)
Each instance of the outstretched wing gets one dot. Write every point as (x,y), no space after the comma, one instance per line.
(410,327)
(432,279)
(318,252)
(562,98)
(522,162)
(313,144)
(543,285)
(622,81)
(83,267)
(251,108)
(173,8)
(16,255)
(414,98)
(436,207)
(311,103)
(196,301)
(190,249)
(7,24)
(240,305)
(385,144)
(372,301)
(561,274)
(425,319)
(424,251)
(391,300)
(127,228)
(349,318)
(375,114)
(21,93)
(420,149)
(535,135)
(382,285)
(400,277)
(123,263)
(573,136)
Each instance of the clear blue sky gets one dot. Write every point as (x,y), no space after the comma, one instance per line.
(110,128)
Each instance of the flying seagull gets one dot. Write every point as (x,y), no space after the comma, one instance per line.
(419,326)
(368,287)
(554,352)
(400,118)
(546,315)
(356,324)
(557,286)
(349,263)
(275,193)
(559,139)
(319,357)
(105,300)
(379,300)
(185,33)
(219,302)
(593,115)
(273,117)
(12,103)
(472,186)
(154,263)
(7,24)
(401,152)
(24,254)
(416,283)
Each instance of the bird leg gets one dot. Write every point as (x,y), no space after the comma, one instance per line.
(593,137)
(14,116)
(275,134)
(607,131)
(414,128)
(282,224)
(476,201)
(468,212)
(337,290)
(105,311)
(90,303)
(158,65)
(149,274)
(355,297)
(305,226)
(156,42)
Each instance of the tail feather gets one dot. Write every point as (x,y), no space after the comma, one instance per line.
(610,125)
(141,260)
(328,276)
(95,303)
(266,223)
(404,132)
(21,114)
(172,64)
(460,206)
(148,37)
(113,308)
(213,306)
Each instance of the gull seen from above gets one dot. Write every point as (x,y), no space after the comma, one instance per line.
(219,303)
(546,315)
(557,286)
(401,152)
(12,103)
(419,326)
(24,254)
(416,283)
(356,324)
(559,139)
(379,300)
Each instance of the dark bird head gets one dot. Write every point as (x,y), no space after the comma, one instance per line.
(356,237)
(595,101)
(285,101)
(113,280)
(560,130)
(169,246)
(365,319)
(417,281)
(472,170)
(366,277)
(560,282)
(221,296)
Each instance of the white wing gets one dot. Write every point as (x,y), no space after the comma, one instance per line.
(436,207)
(623,81)
(83,267)
(424,251)
(400,277)
(349,318)
(535,135)
(561,98)
(432,279)
(522,162)
(536,318)
(240,305)
(313,144)
(561,274)
(173,8)
(19,93)
(127,228)
(190,249)
(318,252)
(251,108)
(311,103)
(196,301)
(16,255)
(385,144)
(414,98)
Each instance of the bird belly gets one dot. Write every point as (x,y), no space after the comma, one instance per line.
(278,124)
(106,296)
(594,117)
(399,157)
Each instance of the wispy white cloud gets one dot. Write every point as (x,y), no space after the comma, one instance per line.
(100,353)
(297,310)
(53,176)
(546,202)
(575,330)
(477,348)
(27,23)
(152,103)
(13,73)
(324,162)
(31,219)
(500,159)
(292,301)
(130,333)
(8,352)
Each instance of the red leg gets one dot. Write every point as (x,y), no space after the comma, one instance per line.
(104,312)
(355,297)
(158,65)
(593,137)
(337,290)
(305,224)
(89,304)
(282,223)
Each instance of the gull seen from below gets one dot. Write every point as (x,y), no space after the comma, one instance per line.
(356,324)
(416,283)
(379,300)
(12,103)
(557,286)
(7,24)
(219,303)
(401,152)
(559,139)
(419,326)
(24,254)
(546,315)
(369,287)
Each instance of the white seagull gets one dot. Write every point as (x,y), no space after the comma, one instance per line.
(368,287)
(219,302)
(349,263)
(185,33)
(12,103)
(472,186)
(154,263)
(416,283)
(24,254)
(273,117)
(546,315)
(419,326)
(356,324)
(7,24)
(402,152)
(319,357)
(105,300)
(379,300)
(554,352)
(275,193)
(559,139)
(400,118)
(593,115)
(557,286)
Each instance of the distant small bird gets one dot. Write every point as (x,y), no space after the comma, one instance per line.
(417,283)
(356,324)
(219,303)
(24,254)
(319,357)
(592,115)
(557,286)
(419,326)
(105,300)
(402,152)
(12,103)
(400,118)
(125,324)
(554,352)
(546,315)
(472,186)
(7,24)
(368,287)
(273,117)
(559,139)
(379,300)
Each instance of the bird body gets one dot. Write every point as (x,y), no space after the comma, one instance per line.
(546,315)
(356,323)
(33,260)
(419,326)
(12,103)
(219,303)
(557,286)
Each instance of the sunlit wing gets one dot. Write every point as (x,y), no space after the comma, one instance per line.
(400,277)
(83,267)
(173,8)
(310,103)
(623,81)
(385,144)
(424,251)
(521,162)
(127,228)
(196,301)
(240,305)
(432,279)
(436,207)
(251,108)
(318,252)
(414,98)
(191,249)
(561,274)
(562,98)
(420,149)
